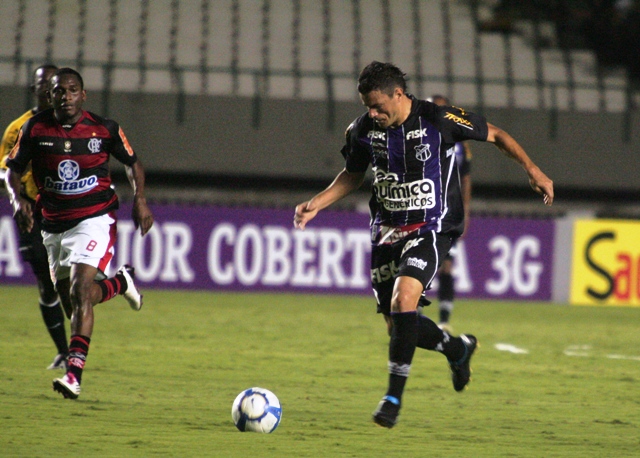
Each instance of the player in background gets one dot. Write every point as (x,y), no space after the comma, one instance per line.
(31,248)
(446,283)
(69,150)
(418,212)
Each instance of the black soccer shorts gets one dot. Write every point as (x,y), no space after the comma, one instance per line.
(33,251)
(418,257)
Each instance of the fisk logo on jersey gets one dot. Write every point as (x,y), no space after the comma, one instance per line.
(394,196)
(418,133)
(377,135)
(69,171)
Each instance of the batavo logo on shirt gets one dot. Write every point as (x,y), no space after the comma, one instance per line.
(69,171)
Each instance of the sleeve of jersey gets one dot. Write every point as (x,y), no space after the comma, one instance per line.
(20,155)
(121,149)
(457,125)
(9,139)
(356,156)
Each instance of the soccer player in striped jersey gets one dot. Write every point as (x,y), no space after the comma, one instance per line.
(32,249)
(417,212)
(69,150)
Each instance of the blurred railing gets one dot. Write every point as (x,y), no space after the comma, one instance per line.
(299,49)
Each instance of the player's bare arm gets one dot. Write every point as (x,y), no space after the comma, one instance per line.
(142,216)
(342,185)
(22,211)
(539,182)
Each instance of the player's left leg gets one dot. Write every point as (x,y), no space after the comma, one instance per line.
(458,350)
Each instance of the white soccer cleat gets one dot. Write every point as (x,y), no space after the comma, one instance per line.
(132,295)
(59,362)
(67,385)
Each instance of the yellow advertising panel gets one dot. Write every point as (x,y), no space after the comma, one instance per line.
(605,269)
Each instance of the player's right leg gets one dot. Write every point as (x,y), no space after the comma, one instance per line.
(83,293)
(402,345)
(458,350)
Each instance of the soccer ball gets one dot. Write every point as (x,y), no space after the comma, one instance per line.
(257,410)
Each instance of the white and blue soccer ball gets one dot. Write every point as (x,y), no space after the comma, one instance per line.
(257,410)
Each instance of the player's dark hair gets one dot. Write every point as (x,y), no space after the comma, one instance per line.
(383,77)
(44,67)
(70,71)
(435,97)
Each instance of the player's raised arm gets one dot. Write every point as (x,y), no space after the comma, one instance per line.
(539,182)
(342,185)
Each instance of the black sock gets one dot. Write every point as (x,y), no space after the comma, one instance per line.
(431,337)
(445,296)
(445,290)
(53,317)
(111,287)
(402,346)
(78,350)
(444,315)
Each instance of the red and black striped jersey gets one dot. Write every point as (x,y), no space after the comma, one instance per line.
(71,166)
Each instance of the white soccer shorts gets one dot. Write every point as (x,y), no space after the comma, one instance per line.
(89,242)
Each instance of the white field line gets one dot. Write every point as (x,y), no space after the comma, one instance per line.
(511,348)
(576,351)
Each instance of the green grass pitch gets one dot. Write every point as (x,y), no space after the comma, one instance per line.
(160,382)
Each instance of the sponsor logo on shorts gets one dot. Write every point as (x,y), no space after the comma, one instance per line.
(411,244)
(415,262)
(384,273)
(69,171)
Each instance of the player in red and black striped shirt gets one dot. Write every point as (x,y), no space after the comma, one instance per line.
(69,151)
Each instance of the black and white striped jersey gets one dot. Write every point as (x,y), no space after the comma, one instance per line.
(415,177)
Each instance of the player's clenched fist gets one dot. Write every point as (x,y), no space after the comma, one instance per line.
(305,212)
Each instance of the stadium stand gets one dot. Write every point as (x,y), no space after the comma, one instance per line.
(310,51)
(219,47)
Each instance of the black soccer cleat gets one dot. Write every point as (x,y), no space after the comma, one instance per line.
(386,414)
(461,370)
